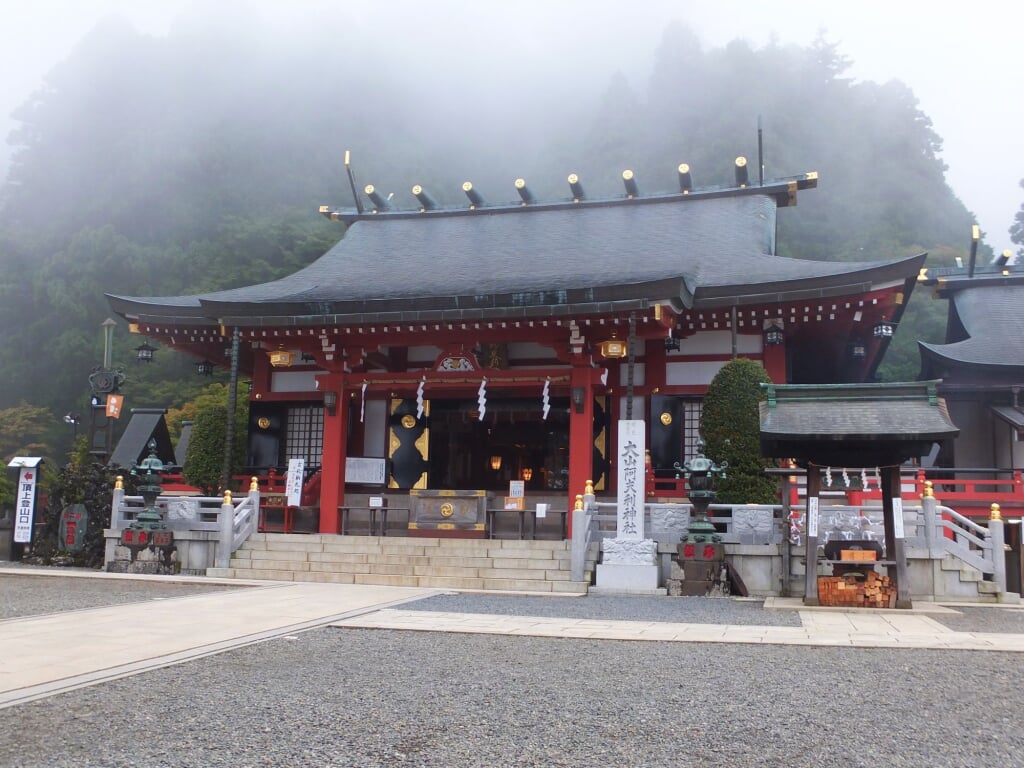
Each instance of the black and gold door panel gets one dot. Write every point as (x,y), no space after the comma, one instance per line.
(266,434)
(666,433)
(600,459)
(409,439)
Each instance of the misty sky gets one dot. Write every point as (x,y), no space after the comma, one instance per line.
(962,66)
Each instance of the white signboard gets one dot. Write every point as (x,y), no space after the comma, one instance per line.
(293,486)
(365,471)
(632,493)
(897,517)
(517,489)
(812,516)
(26,505)
(542,510)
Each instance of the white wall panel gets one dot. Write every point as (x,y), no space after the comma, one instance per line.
(375,432)
(680,374)
(639,374)
(718,343)
(423,355)
(293,381)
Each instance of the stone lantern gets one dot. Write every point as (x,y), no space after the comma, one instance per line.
(148,471)
(699,566)
(700,473)
(148,528)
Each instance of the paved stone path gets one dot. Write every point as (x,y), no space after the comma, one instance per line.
(43,655)
(819,627)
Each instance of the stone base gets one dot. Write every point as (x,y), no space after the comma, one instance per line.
(609,592)
(150,567)
(424,531)
(632,578)
(146,560)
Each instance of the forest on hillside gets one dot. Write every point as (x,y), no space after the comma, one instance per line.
(195,162)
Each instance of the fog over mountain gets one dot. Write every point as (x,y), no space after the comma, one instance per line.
(536,65)
(171,149)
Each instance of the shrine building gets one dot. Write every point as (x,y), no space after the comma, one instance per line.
(458,349)
(981,362)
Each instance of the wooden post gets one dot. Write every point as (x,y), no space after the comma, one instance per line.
(786,546)
(892,517)
(811,535)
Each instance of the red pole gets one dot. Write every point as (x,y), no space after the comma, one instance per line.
(581,434)
(332,463)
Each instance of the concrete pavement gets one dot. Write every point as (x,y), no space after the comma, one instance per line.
(44,655)
(821,627)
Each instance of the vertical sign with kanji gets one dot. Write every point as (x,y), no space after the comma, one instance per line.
(25,502)
(293,486)
(632,447)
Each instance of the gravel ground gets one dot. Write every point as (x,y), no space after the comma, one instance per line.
(38,595)
(999,620)
(339,697)
(689,610)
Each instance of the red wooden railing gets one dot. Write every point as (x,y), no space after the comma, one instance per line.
(270,482)
(954,487)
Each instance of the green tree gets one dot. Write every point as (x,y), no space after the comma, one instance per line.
(6,491)
(24,430)
(730,425)
(204,460)
(1017,229)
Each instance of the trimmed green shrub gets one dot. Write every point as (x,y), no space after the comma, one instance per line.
(731,429)
(204,460)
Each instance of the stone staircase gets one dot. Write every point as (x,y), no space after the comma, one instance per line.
(478,564)
(973,582)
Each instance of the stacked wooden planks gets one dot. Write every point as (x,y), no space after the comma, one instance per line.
(869,590)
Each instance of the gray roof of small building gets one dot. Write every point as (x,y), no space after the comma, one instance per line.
(524,262)
(133,447)
(852,424)
(1012,415)
(993,317)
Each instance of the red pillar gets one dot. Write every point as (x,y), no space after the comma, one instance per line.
(581,433)
(332,490)
(775,362)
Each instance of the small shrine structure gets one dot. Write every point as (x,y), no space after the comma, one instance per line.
(855,425)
